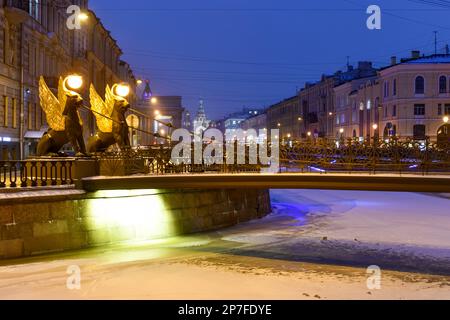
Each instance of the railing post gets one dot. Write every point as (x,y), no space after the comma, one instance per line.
(34,174)
(23,174)
(44,174)
(3,174)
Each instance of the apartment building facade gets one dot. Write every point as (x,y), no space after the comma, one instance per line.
(35,41)
(409,99)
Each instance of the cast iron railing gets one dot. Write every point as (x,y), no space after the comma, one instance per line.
(35,173)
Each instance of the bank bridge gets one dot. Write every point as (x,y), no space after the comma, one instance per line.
(58,204)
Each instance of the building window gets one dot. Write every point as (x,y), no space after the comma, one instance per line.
(34,9)
(30,116)
(439,109)
(14,113)
(420,85)
(443,84)
(5,111)
(394,111)
(37,124)
(447,110)
(394,87)
(419,109)
(419,132)
(385,111)
(386,89)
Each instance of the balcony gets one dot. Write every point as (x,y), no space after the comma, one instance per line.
(16,11)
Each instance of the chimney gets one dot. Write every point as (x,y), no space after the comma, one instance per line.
(393,60)
(415,54)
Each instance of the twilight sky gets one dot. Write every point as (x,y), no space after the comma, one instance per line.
(235,53)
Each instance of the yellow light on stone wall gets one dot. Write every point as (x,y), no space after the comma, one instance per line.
(129,214)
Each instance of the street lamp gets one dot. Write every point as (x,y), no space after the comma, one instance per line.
(445,119)
(72,82)
(279,125)
(341,130)
(154,100)
(375,126)
(121,90)
(139,82)
(309,133)
(300,119)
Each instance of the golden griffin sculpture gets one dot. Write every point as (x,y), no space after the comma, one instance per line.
(110,116)
(63,118)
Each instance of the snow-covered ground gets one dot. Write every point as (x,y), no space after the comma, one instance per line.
(316,245)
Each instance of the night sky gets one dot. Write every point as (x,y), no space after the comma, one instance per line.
(235,53)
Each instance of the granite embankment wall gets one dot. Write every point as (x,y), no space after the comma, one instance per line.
(56,220)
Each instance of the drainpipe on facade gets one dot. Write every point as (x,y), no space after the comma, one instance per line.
(22,97)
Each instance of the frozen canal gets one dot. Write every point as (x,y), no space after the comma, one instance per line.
(316,245)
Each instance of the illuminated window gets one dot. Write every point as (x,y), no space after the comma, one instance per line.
(14,113)
(5,111)
(34,9)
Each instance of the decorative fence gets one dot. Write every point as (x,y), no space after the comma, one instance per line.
(392,155)
(405,156)
(35,173)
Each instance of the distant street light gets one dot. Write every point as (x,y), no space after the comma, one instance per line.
(341,130)
(445,119)
(279,125)
(300,119)
(309,133)
(139,82)
(375,126)
(156,112)
(154,100)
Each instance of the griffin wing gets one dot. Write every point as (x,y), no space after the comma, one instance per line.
(101,108)
(51,106)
